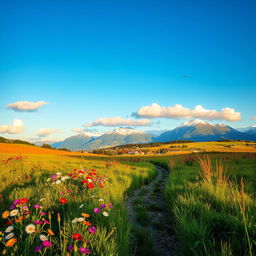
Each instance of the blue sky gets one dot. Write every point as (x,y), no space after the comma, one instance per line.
(93,59)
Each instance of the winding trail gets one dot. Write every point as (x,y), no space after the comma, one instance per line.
(150,199)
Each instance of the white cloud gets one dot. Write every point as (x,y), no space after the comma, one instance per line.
(178,111)
(16,127)
(44,132)
(77,130)
(118,121)
(26,106)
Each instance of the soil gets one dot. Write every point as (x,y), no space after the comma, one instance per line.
(158,227)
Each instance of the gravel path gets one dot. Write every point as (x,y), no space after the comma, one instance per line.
(150,199)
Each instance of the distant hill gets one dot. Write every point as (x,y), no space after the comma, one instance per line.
(198,130)
(4,140)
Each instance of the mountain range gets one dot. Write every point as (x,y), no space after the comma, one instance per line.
(195,130)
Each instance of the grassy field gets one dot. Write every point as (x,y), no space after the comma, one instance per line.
(212,203)
(56,202)
(75,204)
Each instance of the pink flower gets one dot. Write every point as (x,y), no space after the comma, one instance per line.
(92,229)
(37,206)
(47,243)
(42,213)
(46,222)
(96,210)
(84,250)
(38,222)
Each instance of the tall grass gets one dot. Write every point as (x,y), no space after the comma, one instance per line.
(212,214)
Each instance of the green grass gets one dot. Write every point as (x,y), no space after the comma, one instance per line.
(207,213)
(26,178)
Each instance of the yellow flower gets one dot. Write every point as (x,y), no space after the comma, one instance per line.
(5,214)
(31,228)
(11,242)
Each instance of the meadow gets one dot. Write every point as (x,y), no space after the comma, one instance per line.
(61,203)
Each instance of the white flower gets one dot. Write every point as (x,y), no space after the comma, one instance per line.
(81,206)
(64,178)
(101,200)
(74,221)
(14,212)
(42,199)
(43,237)
(58,182)
(48,179)
(9,236)
(31,228)
(58,173)
(89,180)
(105,214)
(9,229)
(81,219)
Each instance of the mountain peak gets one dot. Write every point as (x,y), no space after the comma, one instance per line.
(196,122)
(125,131)
(90,134)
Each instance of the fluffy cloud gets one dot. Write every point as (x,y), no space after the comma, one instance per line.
(178,111)
(16,127)
(22,106)
(118,121)
(77,130)
(46,132)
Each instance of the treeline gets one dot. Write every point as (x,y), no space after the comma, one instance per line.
(4,140)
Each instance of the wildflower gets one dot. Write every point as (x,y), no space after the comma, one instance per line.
(101,200)
(81,206)
(77,236)
(74,221)
(5,214)
(47,243)
(85,215)
(14,212)
(81,219)
(16,201)
(9,236)
(58,173)
(105,214)
(54,176)
(50,232)
(84,250)
(11,242)
(87,223)
(9,229)
(42,199)
(37,206)
(42,213)
(102,206)
(63,200)
(27,212)
(90,185)
(92,229)
(70,247)
(110,205)
(31,228)
(46,221)
(20,219)
(23,200)
(38,222)
(38,248)
(96,210)
(84,181)
(58,182)
(43,237)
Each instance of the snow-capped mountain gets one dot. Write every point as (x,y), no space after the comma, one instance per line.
(91,140)
(250,129)
(199,130)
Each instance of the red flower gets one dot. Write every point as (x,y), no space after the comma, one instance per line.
(84,181)
(77,236)
(23,201)
(82,172)
(63,200)
(93,170)
(90,185)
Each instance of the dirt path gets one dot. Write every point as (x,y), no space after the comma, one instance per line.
(152,233)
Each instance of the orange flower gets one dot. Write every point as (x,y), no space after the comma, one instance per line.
(87,223)
(50,232)
(85,215)
(20,219)
(11,242)
(5,214)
